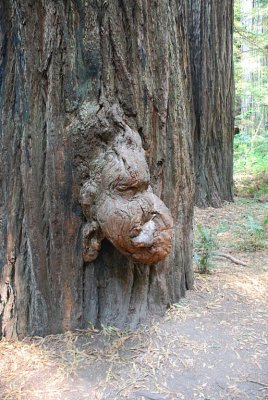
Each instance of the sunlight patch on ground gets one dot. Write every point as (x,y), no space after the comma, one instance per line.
(22,365)
(252,288)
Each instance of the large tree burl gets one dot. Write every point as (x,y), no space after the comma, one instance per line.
(119,204)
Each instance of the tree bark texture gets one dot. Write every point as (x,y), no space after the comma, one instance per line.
(210,32)
(63,67)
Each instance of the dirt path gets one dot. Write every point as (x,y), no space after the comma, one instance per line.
(213,345)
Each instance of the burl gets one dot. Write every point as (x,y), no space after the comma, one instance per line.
(119,205)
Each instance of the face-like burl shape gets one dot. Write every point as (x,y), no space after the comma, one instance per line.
(120,206)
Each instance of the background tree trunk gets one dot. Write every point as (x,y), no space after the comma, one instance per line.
(57,57)
(210,31)
(253,118)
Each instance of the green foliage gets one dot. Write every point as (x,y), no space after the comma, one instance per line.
(204,249)
(251,153)
(251,65)
(109,330)
(255,234)
(251,80)
(251,164)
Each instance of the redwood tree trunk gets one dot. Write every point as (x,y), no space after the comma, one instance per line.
(210,31)
(59,61)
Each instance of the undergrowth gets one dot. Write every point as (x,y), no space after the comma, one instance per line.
(251,164)
(250,235)
(204,249)
(255,234)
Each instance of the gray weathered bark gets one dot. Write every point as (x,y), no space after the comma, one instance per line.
(61,63)
(210,31)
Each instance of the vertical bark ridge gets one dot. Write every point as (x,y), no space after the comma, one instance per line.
(86,55)
(210,27)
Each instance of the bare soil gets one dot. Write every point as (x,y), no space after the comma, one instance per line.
(212,345)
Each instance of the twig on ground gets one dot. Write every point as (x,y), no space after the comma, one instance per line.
(231,258)
(265,385)
(149,395)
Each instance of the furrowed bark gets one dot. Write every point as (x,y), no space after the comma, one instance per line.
(60,61)
(210,32)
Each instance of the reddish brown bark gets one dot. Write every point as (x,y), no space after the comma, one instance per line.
(60,60)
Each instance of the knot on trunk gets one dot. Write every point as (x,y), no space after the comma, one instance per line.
(117,199)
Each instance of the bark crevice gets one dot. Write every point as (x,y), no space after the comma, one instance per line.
(87,57)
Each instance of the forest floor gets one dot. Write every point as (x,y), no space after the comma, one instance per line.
(212,345)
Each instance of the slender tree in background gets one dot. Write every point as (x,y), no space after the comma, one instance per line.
(251,66)
(210,31)
(76,78)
